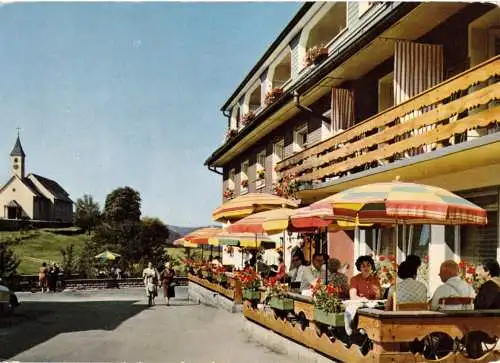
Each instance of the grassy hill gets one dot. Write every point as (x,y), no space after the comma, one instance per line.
(36,246)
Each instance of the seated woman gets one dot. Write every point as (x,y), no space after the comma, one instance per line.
(339,280)
(365,285)
(408,289)
(281,270)
(488,296)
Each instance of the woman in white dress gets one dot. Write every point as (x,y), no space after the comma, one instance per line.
(150,277)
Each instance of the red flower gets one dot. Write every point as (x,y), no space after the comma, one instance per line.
(391,258)
(426,259)
(381,258)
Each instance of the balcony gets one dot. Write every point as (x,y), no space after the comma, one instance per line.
(459,110)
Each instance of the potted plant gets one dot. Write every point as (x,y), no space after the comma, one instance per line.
(231,133)
(250,282)
(328,308)
(273,95)
(244,183)
(276,296)
(246,118)
(386,270)
(316,55)
(220,275)
(261,173)
(468,274)
(228,194)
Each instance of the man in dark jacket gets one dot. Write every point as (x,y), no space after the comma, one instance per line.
(488,296)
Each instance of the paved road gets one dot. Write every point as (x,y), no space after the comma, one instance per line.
(118,326)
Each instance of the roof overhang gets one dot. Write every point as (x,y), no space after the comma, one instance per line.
(468,165)
(352,62)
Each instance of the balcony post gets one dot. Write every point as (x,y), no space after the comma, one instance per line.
(438,252)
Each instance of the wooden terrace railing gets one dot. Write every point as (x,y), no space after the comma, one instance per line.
(439,117)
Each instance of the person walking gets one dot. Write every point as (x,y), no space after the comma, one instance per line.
(42,277)
(149,275)
(168,283)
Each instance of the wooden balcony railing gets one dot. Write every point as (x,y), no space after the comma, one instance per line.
(439,117)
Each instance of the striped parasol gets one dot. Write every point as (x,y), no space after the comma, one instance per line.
(275,220)
(250,203)
(400,201)
(203,235)
(107,255)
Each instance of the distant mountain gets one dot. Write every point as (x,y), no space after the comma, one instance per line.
(185,230)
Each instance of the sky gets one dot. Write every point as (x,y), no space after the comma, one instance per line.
(128,94)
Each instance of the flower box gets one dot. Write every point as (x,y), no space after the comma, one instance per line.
(332,319)
(251,294)
(281,303)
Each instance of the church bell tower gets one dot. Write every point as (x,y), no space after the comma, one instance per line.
(17,158)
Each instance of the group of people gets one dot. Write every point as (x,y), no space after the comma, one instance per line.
(153,279)
(366,285)
(48,276)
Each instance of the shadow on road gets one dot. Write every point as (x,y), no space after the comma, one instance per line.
(37,322)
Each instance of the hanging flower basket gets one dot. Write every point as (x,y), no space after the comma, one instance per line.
(246,118)
(273,95)
(261,174)
(331,319)
(228,194)
(316,55)
(231,133)
(278,303)
(252,295)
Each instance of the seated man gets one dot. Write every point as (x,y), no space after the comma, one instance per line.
(453,285)
(314,272)
(488,296)
(408,289)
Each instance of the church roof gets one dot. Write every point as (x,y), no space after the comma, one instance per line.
(53,187)
(18,149)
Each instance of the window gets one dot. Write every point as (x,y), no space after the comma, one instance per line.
(244,178)
(260,169)
(230,179)
(278,155)
(279,151)
(300,138)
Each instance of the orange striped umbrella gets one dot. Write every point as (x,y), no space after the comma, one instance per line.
(202,235)
(256,223)
(250,203)
(309,218)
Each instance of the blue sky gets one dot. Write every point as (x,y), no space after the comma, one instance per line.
(110,94)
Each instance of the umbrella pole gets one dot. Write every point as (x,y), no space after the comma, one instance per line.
(326,262)
(395,293)
(284,248)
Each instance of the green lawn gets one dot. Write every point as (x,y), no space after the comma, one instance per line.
(36,246)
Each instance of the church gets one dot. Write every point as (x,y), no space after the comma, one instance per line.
(32,196)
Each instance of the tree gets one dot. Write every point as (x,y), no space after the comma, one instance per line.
(122,205)
(153,239)
(87,262)
(88,214)
(69,261)
(8,261)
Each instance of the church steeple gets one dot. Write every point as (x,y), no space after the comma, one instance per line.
(17,157)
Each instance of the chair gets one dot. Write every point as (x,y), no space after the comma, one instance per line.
(456,303)
(412,306)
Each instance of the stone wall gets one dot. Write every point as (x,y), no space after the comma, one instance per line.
(208,297)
